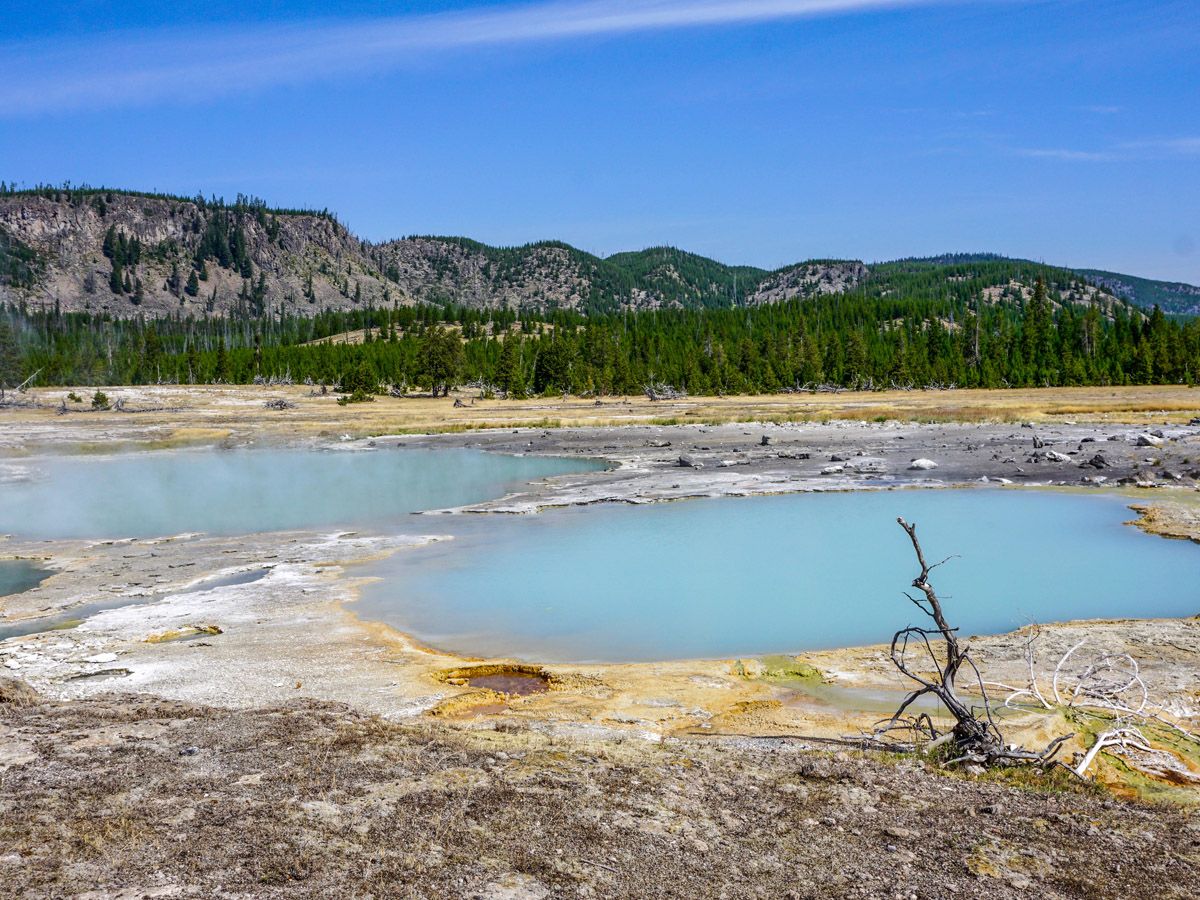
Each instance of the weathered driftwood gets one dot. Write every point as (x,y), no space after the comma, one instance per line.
(1110,688)
(274,380)
(24,385)
(657,390)
(975,737)
(1107,685)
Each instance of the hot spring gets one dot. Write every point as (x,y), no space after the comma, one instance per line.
(701,578)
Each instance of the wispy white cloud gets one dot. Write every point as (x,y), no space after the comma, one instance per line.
(1178,146)
(1067,154)
(127,68)
(1126,151)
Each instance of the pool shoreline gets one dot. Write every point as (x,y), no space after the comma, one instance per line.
(297,633)
(396,675)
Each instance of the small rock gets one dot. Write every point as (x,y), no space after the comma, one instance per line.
(1149,440)
(868,465)
(922,464)
(1055,456)
(686,462)
(833,470)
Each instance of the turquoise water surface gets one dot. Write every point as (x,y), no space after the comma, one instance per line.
(741,576)
(246,491)
(18,575)
(701,578)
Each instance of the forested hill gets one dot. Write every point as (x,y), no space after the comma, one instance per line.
(1173,297)
(909,325)
(124,255)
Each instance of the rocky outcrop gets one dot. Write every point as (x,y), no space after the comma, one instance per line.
(300,263)
(193,257)
(808,280)
(446,269)
(56,250)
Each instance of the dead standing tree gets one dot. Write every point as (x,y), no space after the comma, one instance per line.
(975,737)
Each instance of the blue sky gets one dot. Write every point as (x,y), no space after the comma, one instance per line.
(753,131)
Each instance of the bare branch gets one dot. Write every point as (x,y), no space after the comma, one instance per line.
(975,736)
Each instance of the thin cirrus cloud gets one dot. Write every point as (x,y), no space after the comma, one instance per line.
(1127,151)
(1179,146)
(1068,155)
(151,66)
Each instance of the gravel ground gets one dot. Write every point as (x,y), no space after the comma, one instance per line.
(674,462)
(124,796)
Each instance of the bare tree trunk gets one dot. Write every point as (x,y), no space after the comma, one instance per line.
(975,735)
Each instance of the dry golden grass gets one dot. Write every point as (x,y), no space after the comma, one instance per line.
(176,415)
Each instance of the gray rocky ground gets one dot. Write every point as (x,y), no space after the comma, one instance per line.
(135,797)
(675,462)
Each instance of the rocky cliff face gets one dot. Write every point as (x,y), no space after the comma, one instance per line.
(299,262)
(191,257)
(808,280)
(440,270)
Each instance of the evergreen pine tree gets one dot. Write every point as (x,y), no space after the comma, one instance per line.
(110,242)
(508,370)
(10,357)
(221,371)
